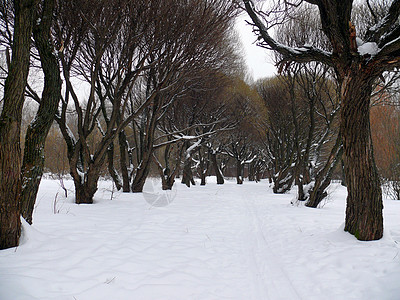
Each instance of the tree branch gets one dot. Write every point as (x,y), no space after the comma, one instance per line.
(377,31)
(303,54)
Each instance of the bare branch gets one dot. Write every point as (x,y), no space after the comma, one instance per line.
(385,25)
(372,11)
(304,54)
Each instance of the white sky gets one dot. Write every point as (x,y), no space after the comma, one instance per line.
(258,59)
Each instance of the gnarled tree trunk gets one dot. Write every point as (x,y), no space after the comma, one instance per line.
(364,201)
(84,191)
(217,170)
(142,172)
(239,172)
(33,162)
(10,124)
(187,176)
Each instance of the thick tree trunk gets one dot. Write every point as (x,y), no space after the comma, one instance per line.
(301,196)
(203,179)
(142,172)
(168,176)
(139,181)
(167,179)
(364,201)
(187,177)
(253,171)
(239,172)
(283,181)
(33,162)
(203,167)
(218,173)
(85,175)
(10,125)
(84,192)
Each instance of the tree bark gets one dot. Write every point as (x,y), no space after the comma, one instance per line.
(85,191)
(123,161)
(111,169)
(187,177)
(217,170)
(253,170)
(323,178)
(33,162)
(283,182)
(85,181)
(10,124)
(203,167)
(142,172)
(239,172)
(364,201)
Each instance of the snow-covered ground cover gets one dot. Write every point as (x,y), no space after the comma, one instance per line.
(212,242)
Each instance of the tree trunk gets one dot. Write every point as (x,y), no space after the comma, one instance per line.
(218,173)
(364,201)
(203,179)
(301,196)
(84,192)
(203,167)
(323,178)
(167,179)
(239,172)
(111,169)
(252,170)
(142,172)
(283,180)
(10,125)
(33,162)
(123,161)
(139,181)
(85,175)
(187,177)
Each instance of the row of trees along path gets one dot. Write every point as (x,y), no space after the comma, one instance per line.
(137,72)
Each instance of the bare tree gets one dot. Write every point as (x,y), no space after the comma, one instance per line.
(279,141)
(192,49)
(90,39)
(245,110)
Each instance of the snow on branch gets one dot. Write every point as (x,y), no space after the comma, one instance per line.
(178,137)
(386,24)
(306,53)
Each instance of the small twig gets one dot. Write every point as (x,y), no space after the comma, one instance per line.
(108,281)
(55,211)
(63,186)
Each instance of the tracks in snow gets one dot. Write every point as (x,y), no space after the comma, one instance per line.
(270,279)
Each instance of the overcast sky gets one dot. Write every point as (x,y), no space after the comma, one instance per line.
(258,59)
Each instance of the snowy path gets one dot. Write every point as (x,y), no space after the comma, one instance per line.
(213,242)
(270,275)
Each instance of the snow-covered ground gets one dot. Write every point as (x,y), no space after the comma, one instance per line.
(212,242)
